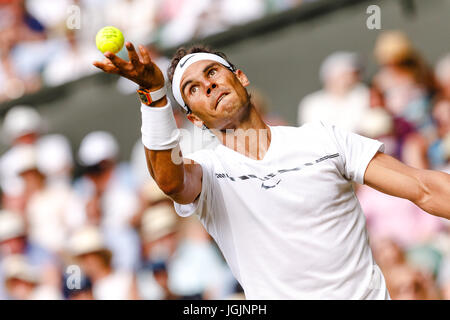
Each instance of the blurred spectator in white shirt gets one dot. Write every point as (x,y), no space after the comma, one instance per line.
(50,211)
(108,196)
(343,99)
(22,125)
(71,61)
(236,12)
(52,14)
(183,23)
(139,28)
(15,241)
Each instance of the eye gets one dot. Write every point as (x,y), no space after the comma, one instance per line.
(212,72)
(193,89)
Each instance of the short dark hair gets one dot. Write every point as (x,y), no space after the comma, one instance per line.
(181,52)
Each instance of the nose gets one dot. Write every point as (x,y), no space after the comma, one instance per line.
(212,86)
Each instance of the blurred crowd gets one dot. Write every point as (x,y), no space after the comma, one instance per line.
(108,232)
(48,43)
(405,104)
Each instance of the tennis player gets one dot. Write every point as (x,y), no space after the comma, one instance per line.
(278,200)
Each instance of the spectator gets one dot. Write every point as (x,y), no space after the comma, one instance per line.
(14,241)
(439,148)
(407,283)
(139,29)
(109,199)
(159,239)
(71,61)
(22,125)
(387,253)
(442,72)
(46,210)
(405,86)
(197,266)
(88,248)
(194,268)
(21,279)
(22,49)
(83,292)
(343,99)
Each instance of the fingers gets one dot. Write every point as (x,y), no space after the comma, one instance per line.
(132,54)
(107,66)
(144,54)
(116,61)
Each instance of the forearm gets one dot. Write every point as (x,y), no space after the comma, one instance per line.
(178,180)
(435,197)
(168,175)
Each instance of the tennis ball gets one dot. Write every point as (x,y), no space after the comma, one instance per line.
(109,39)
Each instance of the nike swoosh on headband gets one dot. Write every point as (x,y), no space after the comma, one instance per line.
(184,62)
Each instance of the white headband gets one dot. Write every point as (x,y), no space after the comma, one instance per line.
(182,66)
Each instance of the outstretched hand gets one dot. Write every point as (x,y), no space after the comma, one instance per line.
(140,69)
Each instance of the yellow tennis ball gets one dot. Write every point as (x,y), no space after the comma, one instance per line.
(109,39)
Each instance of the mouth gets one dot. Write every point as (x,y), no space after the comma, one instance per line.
(220,98)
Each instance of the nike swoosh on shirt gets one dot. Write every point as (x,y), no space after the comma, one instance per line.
(270,187)
(182,65)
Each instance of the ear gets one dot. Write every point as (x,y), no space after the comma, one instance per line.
(195,120)
(242,77)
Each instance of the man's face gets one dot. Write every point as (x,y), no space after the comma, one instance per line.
(216,96)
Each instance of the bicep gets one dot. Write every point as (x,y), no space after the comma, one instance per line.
(388,175)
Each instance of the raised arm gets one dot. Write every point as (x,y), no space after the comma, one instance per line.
(430,190)
(180,180)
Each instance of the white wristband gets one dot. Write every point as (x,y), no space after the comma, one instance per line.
(159,129)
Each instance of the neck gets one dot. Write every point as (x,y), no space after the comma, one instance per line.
(249,135)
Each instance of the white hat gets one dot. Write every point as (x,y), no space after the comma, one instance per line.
(21,120)
(86,240)
(11,225)
(97,146)
(337,63)
(157,222)
(16,266)
(54,154)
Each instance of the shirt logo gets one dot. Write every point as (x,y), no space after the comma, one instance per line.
(182,64)
(266,183)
